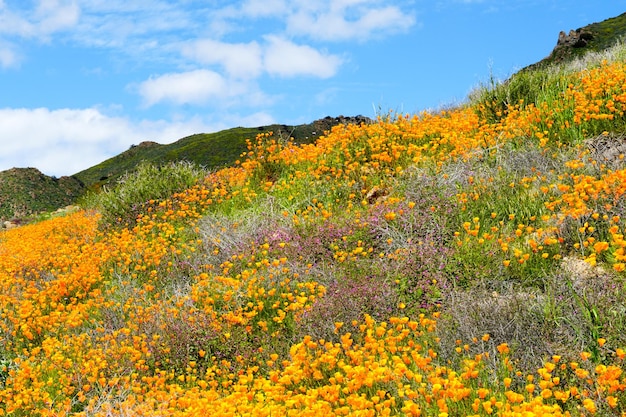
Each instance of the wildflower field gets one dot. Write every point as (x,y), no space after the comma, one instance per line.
(464,262)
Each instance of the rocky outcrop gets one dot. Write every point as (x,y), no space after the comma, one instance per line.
(325,124)
(8,224)
(145,144)
(595,37)
(568,43)
(578,38)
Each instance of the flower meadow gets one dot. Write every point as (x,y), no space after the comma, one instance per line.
(464,262)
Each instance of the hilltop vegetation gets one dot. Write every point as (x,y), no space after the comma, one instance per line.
(26,191)
(470,261)
(210,150)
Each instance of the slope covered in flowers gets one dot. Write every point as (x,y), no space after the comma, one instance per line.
(464,262)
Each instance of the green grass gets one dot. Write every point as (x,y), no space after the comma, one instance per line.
(546,80)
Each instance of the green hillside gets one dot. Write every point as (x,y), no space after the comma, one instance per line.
(27,191)
(210,150)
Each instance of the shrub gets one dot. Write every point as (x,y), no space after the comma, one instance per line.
(136,190)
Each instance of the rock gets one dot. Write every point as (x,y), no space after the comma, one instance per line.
(9,225)
(327,123)
(67,209)
(374,194)
(568,45)
(578,38)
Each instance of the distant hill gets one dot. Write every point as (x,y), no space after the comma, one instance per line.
(211,150)
(27,191)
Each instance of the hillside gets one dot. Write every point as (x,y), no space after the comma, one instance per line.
(211,150)
(464,262)
(26,191)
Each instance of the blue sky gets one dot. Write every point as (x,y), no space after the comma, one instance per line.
(83,80)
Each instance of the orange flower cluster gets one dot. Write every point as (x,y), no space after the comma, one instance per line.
(51,288)
(87,314)
(601,94)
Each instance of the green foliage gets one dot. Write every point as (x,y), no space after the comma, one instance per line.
(135,190)
(210,150)
(25,192)
(494,99)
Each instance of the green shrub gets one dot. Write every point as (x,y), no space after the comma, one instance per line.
(134,190)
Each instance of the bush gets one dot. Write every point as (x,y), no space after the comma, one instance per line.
(135,190)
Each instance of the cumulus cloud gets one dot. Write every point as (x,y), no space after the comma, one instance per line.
(240,60)
(13,24)
(287,59)
(192,87)
(66,141)
(58,142)
(55,15)
(47,17)
(348,20)
(264,8)
(276,56)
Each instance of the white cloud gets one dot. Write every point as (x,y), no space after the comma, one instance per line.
(286,59)
(47,17)
(326,20)
(13,25)
(348,20)
(192,87)
(240,60)
(58,142)
(264,8)
(243,63)
(202,87)
(276,56)
(66,141)
(8,56)
(54,15)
